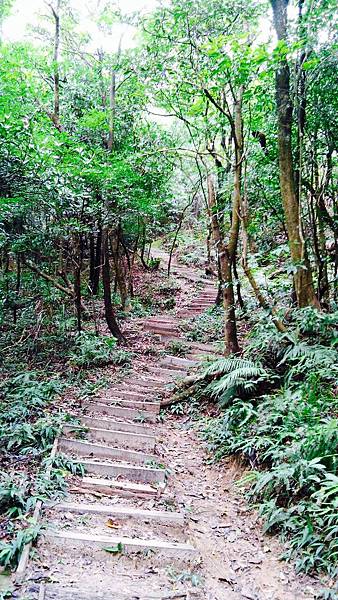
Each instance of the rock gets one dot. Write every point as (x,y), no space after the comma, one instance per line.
(249,593)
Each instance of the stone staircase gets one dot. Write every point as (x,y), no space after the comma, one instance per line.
(117,535)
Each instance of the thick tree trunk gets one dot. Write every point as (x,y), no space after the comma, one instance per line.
(231,342)
(302,276)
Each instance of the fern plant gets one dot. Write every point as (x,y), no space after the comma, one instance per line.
(237,377)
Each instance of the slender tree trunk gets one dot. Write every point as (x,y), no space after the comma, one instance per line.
(246,268)
(112,102)
(55,115)
(108,305)
(237,192)
(119,271)
(231,341)
(302,276)
(77,258)
(17,287)
(95,261)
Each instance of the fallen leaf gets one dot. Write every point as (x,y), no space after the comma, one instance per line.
(112,524)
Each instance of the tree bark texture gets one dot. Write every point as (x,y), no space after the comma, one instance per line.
(231,341)
(302,277)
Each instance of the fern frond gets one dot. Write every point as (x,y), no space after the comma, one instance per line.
(225,365)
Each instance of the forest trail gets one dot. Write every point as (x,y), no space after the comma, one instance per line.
(150,519)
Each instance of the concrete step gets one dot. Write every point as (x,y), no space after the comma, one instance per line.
(118,411)
(116,426)
(134,440)
(119,511)
(125,393)
(147,383)
(126,471)
(178,361)
(113,487)
(75,538)
(166,374)
(58,592)
(84,448)
(137,404)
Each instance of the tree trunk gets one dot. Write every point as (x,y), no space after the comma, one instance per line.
(230,328)
(302,276)
(95,261)
(108,305)
(55,115)
(119,271)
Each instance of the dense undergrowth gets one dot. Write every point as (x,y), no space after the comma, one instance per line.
(279,411)
(28,428)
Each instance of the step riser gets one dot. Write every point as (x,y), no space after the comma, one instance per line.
(149,383)
(129,545)
(141,406)
(119,392)
(114,488)
(131,440)
(119,512)
(84,449)
(116,411)
(180,362)
(130,473)
(117,426)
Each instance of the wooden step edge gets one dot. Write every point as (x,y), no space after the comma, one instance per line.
(84,448)
(117,510)
(128,544)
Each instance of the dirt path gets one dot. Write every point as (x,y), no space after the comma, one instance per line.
(150,519)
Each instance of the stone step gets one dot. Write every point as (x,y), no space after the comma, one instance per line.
(118,510)
(179,361)
(57,592)
(129,472)
(84,448)
(137,404)
(116,426)
(113,487)
(165,373)
(147,383)
(122,391)
(131,440)
(118,411)
(161,325)
(75,538)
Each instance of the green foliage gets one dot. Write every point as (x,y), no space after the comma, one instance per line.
(290,437)
(177,348)
(206,327)
(10,551)
(235,377)
(26,394)
(91,350)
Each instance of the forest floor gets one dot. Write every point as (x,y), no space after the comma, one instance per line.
(230,559)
